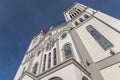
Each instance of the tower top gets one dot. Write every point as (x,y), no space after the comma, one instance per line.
(74,11)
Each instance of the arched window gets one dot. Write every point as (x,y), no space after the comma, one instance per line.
(38,53)
(63,35)
(81,20)
(84,78)
(75,14)
(35,67)
(68,51)
(70,16)
(104,43)
(49,60)
(54,57)
(86,16)
(76,23)
(56,78)
(44,63)
(79,10)
(50,45)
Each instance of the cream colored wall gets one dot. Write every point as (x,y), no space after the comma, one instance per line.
(36,59)
(33,44)
(20,70)
(70,72)
(27,78)
(112,72)
(114,22)
(62,42)
(66,73)
(80,74)
(91,11)
(95,50)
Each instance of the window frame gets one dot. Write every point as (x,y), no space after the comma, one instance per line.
(64,56)
(54,78)
(49,60)
(86,16)
(35,68)
(84,78)
(54,57)
(44,63)
(64,33)
(101,45)
(76,23)
(81,20)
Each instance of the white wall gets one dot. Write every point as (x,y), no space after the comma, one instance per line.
(37,59)
(115,23)
(27,78)
(80,74)
(95,50)
(112,72)
(62,42)
(35,41)
(66,73)
(20,70)
(70,72)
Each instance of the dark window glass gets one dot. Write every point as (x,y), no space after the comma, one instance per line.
(86,16)
(70,16)
(44,62)
(68,51)
(104,43)
(84,78)
(76,23)
(35,68)
(63,35)
(47,47)
(38,53)
(55,78)
(75,13)
(54,57)
(79,10)
(49,60)
(52,43)
(81,20)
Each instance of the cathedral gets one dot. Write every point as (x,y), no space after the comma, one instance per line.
(85,47)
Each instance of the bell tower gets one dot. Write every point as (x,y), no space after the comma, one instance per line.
(73,12)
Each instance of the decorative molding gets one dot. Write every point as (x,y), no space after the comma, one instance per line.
(56,68)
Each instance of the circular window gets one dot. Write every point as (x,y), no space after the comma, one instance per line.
(84,78)
(63,35)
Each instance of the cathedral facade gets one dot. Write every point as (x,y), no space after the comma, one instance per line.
(85,47)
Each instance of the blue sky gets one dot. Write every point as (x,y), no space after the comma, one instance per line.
(20,20)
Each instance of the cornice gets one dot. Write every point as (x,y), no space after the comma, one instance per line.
(56,68)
